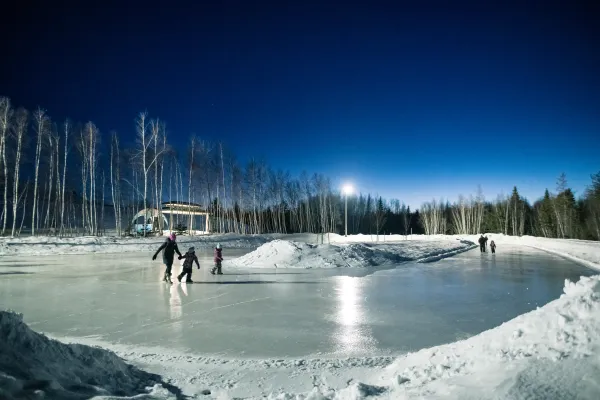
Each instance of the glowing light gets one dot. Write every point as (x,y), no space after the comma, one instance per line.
(347,189)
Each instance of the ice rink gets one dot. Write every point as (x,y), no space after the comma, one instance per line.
(245,313)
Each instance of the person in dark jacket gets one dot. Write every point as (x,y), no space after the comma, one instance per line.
(218,259)
(190,258)
(493,247)
(170,248)
(481,244)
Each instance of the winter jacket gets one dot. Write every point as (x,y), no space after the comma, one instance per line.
(218,255)
(493,245)
(189,259)
(170,248)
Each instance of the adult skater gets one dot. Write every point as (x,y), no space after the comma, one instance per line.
(493,247)
(218,259)
(190,258)
(485,239)
(481,244)
(170,248)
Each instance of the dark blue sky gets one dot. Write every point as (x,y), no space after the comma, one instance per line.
(405,100)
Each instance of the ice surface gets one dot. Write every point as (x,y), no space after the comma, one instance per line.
(332,333)
(281,313)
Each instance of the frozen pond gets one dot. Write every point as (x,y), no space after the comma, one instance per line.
(284,312)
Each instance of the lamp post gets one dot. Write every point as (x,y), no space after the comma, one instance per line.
(347,190)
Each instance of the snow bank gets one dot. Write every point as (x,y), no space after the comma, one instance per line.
(47,245)
(290,254)
(34,366)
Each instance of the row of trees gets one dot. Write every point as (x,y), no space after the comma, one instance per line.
(555,215)
(68,179)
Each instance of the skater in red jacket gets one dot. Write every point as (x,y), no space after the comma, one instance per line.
(218,259)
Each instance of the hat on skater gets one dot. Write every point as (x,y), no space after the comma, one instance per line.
(218,245)
(191,249)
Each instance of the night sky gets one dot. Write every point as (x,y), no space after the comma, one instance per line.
(409,100)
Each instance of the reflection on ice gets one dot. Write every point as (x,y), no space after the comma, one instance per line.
(352,334)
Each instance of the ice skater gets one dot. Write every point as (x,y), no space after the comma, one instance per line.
(218,260)
(190,258)
(485,239)
(481,244)
(170,248)
(493,247)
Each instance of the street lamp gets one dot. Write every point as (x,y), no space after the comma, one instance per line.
(347,189)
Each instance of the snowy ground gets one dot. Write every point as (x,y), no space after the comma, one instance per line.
(46,245)
(551,352)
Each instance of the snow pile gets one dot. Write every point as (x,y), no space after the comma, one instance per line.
(552,352)
(288,254)
(47,245)
(34,366)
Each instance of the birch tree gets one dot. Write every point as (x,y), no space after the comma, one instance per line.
(42,124)
(66,129)
(6,114)
(145,139)
(20,129)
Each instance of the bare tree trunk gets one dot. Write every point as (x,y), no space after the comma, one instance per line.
(50,181)
(192,152)
(42,123)
(20,130)
(5,122)
(24,206)
(114,142)
(162,167)
(141,127)
(155,128)
(102,210)
(224,205)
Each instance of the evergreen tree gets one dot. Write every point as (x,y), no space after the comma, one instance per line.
(546,216)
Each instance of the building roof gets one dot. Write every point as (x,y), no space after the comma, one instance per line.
(182,205)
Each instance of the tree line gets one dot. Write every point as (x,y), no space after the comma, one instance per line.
(66,178)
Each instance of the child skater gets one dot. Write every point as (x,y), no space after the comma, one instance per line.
(190,258)
(218,260)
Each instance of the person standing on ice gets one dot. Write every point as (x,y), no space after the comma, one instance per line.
(218,260)
(190,258)
(493,247)
(481,244)
(170,248)
(485,239)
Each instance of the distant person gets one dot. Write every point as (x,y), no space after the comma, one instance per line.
(218,260)
(170,248)
(493,247)
(481,244)
(190,258)
(485,239)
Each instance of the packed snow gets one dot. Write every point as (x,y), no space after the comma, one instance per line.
(291,254)
(46,245)
(34,366)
